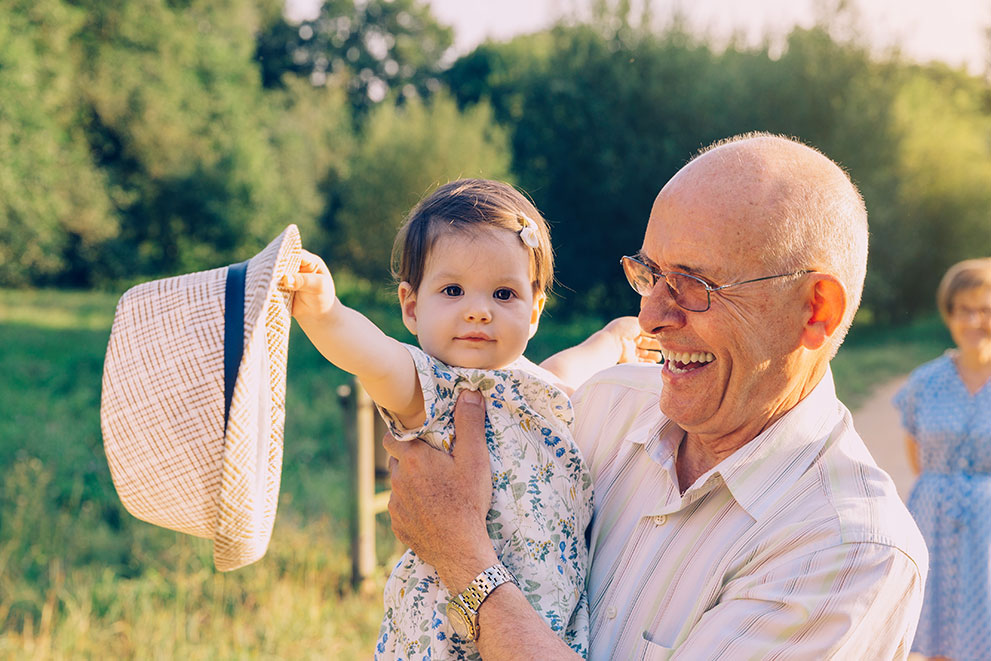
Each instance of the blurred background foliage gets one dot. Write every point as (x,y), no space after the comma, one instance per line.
(152,137)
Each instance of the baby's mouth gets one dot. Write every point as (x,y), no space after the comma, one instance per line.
(680,362)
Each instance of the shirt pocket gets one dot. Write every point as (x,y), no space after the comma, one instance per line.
(653,651)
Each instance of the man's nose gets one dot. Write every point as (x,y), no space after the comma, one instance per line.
(659,311)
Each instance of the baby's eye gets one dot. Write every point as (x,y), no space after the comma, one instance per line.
(452,290)
(504,294)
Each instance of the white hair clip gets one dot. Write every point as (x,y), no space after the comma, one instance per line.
(529,232)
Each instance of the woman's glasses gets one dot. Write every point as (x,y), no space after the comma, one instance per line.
(688,291)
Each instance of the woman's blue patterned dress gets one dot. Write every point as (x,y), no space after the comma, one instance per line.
(951,502)
(541,505)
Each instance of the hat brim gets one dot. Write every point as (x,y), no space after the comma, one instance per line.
(172,460)
(252,462)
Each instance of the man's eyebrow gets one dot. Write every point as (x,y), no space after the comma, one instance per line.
(681,268)
(645,259)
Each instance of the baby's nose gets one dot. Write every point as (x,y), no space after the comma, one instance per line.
(478,313)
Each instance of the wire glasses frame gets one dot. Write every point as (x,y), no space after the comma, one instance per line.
(690,292)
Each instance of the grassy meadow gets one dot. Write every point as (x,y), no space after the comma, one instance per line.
(80,578)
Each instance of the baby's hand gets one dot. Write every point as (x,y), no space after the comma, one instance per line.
(635,345)
(314,287)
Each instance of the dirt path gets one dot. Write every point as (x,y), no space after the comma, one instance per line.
(880,427)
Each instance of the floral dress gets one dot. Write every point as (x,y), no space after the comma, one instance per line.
(541,505)
(951,502)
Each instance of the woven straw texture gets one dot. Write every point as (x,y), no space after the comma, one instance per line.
(162,408)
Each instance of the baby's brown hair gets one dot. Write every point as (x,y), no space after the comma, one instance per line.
(463,205)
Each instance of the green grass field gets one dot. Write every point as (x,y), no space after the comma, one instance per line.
(80,578)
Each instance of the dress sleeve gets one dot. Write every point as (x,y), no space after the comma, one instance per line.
(435,381)
(906,401)
(850,601)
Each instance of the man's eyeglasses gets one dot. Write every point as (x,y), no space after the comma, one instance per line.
(690,292)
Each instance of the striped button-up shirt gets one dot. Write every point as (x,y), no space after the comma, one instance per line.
(794,547)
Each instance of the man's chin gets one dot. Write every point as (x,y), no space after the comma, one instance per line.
(688,418)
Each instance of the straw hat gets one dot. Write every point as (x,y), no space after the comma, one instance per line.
(193,409)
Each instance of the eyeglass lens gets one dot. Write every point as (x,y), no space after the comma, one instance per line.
(687,292)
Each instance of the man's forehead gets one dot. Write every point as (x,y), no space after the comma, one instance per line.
(694,262)
(715,248)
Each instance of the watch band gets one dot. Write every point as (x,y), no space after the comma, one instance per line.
(462,610)
(484,584)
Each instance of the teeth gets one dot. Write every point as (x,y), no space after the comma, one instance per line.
(686,357)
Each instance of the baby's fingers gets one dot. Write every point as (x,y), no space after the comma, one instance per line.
(648,342)
(310,263)
(313,275)
(304,282)
(648,349)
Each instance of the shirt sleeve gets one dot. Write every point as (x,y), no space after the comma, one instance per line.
(850,601)
(435,383)
(905,402)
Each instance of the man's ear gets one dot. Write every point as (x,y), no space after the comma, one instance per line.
(407,303)
(826,306)
(538,307)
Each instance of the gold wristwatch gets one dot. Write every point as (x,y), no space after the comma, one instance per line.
(462,609)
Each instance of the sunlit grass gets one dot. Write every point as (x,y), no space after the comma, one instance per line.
(166,601)
(81,578)
(873,355)
(56,309)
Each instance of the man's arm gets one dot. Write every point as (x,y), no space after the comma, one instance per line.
(353,343)
(438,506)
(620,341)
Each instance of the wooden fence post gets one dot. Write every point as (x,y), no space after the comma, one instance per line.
(366,503)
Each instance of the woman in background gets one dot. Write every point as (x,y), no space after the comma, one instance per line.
(946,409)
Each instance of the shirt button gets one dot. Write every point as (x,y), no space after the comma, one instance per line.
(660,519)
(611,612)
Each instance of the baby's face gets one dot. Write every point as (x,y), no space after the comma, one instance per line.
(475,306)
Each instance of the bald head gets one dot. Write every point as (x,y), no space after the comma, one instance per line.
(788,205)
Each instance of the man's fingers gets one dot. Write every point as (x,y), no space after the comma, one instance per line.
(469,426)
(393,448)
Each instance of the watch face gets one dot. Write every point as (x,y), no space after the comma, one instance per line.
(459,620)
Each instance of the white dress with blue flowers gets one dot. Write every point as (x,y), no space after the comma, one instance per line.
(541,506)
(951,502)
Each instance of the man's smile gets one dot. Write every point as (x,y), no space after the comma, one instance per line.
(680,362)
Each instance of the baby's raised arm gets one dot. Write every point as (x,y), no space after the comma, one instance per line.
(351,341)
(620,341)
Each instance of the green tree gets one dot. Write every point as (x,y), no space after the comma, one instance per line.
(54,207)
(204,165)
(373,47)
(403,154)
(941,212)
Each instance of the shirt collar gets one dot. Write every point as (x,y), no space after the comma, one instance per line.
(765,468)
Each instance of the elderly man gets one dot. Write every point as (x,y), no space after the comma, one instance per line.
(742,518)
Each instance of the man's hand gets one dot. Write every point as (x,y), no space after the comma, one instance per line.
(439,502)
(314,287)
